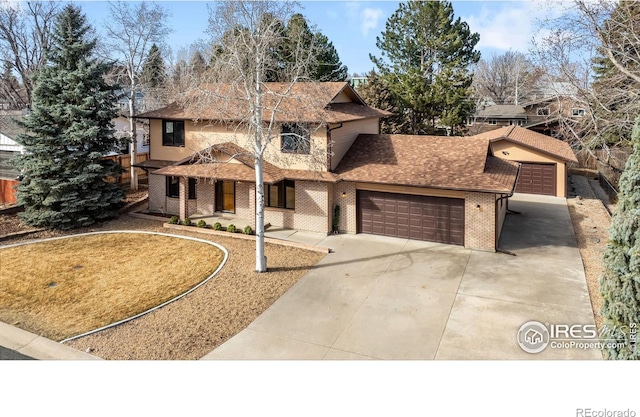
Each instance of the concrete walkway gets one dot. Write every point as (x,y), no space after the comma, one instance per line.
(387,298)
(16,343)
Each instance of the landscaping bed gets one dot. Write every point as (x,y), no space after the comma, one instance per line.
(591,222)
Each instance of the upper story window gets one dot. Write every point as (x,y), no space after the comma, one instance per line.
(492,122)
(295,138)
(515,122)
(172,133)
(543,111)
(577,112)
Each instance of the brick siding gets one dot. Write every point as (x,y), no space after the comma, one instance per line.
(205,194)
(157,194)
(347,203)
(245,202)
(312,209)
(480,222)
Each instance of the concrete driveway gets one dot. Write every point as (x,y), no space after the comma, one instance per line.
(387,298)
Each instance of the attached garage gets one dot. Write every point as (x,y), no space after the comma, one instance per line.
(442,189)
(543,159)
(433,219)
(537,178)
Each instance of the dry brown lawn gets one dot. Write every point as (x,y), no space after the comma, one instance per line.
(62,288)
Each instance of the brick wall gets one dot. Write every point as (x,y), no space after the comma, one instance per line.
(312,211)
(157,194)
(312,206)
(480,222)
(245,203)
(347,203)
(205,194)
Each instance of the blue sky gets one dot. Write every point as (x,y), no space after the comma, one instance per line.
(352,26)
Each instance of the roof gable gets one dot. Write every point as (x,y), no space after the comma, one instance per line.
(533,140)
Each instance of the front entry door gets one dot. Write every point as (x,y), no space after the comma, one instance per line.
(226,196)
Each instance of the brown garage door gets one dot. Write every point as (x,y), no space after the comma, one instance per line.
(435,219)
(537,179)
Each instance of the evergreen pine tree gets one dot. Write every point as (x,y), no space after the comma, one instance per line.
(376,93)
(330,68)
(620,283)
(197,63)
(324,65)
(69,130)
(154,72)
(426,59)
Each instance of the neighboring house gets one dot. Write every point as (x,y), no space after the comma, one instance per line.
(541,116)
(357,82)
(9,148)
(544,160)
(121,125)
(434,188)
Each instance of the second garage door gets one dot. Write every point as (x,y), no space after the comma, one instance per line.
(434,219)
(537,179)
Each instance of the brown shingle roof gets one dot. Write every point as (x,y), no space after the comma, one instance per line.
(153,163)
(502,110)
(189,167)
(531,139)
(427,161)
(300,102)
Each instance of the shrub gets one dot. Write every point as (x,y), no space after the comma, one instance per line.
(231,228)
(247,230)
(217,226)
(201,223)
(173,220)
(336,219)
(187,222)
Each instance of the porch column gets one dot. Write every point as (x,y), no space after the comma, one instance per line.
(184,202)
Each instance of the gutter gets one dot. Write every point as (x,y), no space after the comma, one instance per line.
(329,146)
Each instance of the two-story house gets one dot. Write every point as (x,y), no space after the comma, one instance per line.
(542,115)
(442,189)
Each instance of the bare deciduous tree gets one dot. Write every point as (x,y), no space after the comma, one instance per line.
(131,30)
(25,36)
(509,78)
(244,36)
(595,46)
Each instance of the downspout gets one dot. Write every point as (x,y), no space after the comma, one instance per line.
(507,196)
(329,145)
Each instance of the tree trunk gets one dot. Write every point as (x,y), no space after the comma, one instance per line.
(261,260)
(134,141)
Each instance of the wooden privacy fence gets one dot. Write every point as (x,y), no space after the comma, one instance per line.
(7,191)
(125,162)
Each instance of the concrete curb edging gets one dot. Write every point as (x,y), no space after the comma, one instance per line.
(195,229)
(38,347)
